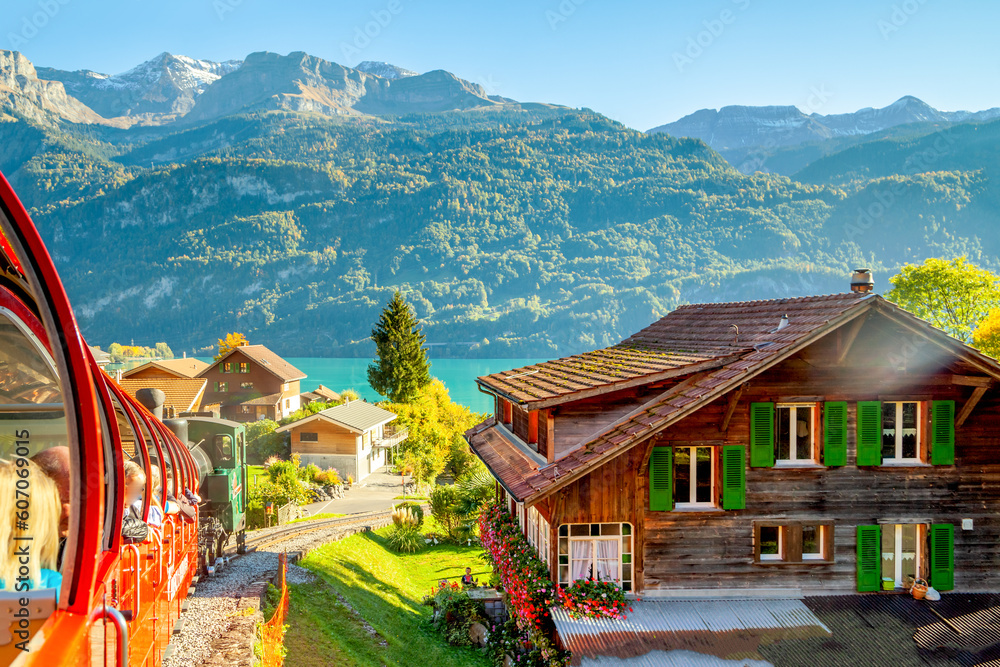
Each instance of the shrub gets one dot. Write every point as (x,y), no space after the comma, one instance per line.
(415,509)
(455,613)
(444,508)
(263,443)
(308,472)
(402,516)
(405,538)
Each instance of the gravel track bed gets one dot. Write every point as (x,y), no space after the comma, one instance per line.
(214,604)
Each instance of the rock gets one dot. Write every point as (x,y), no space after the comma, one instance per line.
(478,634)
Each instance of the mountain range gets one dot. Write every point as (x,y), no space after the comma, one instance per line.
(287,197)
(750,137)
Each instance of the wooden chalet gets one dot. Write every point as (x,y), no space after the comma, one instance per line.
(251,382)
(785,447)
(352,437)
(320,393)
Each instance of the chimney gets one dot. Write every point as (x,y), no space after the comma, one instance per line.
(152,399)
(862,281)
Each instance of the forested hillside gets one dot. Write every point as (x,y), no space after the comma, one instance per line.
(529,231)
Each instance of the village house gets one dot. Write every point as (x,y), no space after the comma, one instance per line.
(353,437)
(321,394)
(251,382)
(176,378)
(782,448)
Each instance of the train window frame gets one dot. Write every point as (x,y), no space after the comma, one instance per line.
(142,453)
(29,274)
(114,465)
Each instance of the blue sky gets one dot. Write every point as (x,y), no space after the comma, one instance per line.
(642,63)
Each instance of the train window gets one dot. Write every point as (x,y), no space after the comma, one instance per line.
(224,450)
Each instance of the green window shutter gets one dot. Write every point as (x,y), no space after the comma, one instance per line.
(762,435)
(869,558)
(734,481)
(943,433)
(869,433)
(943,556)
(661,473)
(835,433)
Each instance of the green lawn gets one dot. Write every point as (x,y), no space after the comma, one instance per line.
(385,589)
(253,472)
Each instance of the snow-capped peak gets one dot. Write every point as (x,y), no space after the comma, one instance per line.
(384,70)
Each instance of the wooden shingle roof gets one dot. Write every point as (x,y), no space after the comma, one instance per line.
(267,360)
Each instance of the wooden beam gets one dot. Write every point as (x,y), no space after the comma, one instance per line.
(971,380)
(846,340)
(734,398)
(966,410)
(550,435)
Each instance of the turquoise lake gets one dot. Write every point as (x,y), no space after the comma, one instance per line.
(458,375)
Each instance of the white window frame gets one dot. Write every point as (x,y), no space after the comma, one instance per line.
(593,539)
(820,539)
(693,491)
(920,532)
(781,544)
(792,418)
(898,458)
(538,533)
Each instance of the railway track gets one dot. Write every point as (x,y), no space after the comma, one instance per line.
(213,609)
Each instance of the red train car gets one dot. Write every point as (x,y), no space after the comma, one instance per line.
(82,594)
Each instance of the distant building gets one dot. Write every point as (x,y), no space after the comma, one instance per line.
(100,356)
(320,393)
(252,382)
(176,368)
(352,437)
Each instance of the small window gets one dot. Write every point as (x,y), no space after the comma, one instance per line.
(221,386)
(227,367)
(244,367)
(793,542)
(795,433)
(694,477)
(245,409)
(305,436)
(288,403)
(246,385)
(812,542)
(900,430)
(771,542)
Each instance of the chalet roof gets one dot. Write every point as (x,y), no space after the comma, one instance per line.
(358,416)
(809,318)
(269,400)
(267,360)
(184,394)
(185,367)
(321,393)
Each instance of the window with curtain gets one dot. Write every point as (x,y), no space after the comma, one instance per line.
(596,550)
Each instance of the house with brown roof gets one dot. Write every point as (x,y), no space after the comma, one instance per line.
(353,437)
(781,448)
(182,394)
(251,382)
(186,367)
(320,393)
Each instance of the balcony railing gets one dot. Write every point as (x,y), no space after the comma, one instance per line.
(392,438)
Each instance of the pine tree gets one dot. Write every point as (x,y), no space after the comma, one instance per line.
(401,367)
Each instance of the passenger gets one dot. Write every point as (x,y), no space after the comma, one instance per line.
(29,527)
(180,504)
(55,463)
(134,529)
(155,517)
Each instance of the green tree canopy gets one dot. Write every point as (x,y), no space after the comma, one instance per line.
(953,295)
(401,368)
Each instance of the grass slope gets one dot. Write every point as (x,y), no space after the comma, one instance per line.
(389,625)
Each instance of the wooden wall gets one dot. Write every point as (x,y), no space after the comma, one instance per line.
(333,439)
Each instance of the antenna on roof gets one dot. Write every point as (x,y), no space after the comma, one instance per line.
(783,323)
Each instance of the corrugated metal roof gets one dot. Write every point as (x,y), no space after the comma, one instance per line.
(357,415)
(715,627)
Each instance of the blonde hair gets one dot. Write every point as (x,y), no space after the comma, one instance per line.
(134,471)
(24,487)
